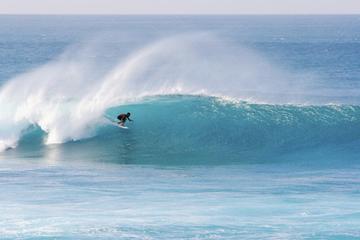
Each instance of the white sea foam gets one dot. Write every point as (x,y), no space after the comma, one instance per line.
(67,97)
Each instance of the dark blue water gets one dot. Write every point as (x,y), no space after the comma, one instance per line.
(244,127)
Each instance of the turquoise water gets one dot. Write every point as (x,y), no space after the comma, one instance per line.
(244,127)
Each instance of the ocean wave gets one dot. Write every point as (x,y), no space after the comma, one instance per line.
(66,98)
(192,129)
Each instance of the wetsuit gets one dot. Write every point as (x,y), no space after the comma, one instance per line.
(123,117)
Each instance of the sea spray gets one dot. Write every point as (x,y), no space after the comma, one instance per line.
(67,97)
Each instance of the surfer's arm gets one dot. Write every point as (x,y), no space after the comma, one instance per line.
(129,119)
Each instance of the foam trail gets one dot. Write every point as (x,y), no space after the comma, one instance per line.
(67,97)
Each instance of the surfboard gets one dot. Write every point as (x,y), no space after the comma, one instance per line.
(113,122)
(123,127)
(118,125)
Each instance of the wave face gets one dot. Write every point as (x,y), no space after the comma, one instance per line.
(65,101)
(57,95)
(192,130)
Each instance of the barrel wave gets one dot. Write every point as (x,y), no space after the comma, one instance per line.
(182,129)
(192,97)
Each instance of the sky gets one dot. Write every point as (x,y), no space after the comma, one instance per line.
(179,6)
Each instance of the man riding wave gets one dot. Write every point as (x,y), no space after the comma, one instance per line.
(123,117)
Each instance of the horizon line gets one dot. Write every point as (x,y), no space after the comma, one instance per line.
(179,14)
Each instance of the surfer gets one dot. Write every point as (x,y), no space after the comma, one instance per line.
(123,117)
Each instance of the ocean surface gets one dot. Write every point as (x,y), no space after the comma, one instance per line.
(245,127)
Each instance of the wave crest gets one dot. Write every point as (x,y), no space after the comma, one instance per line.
(67,97)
